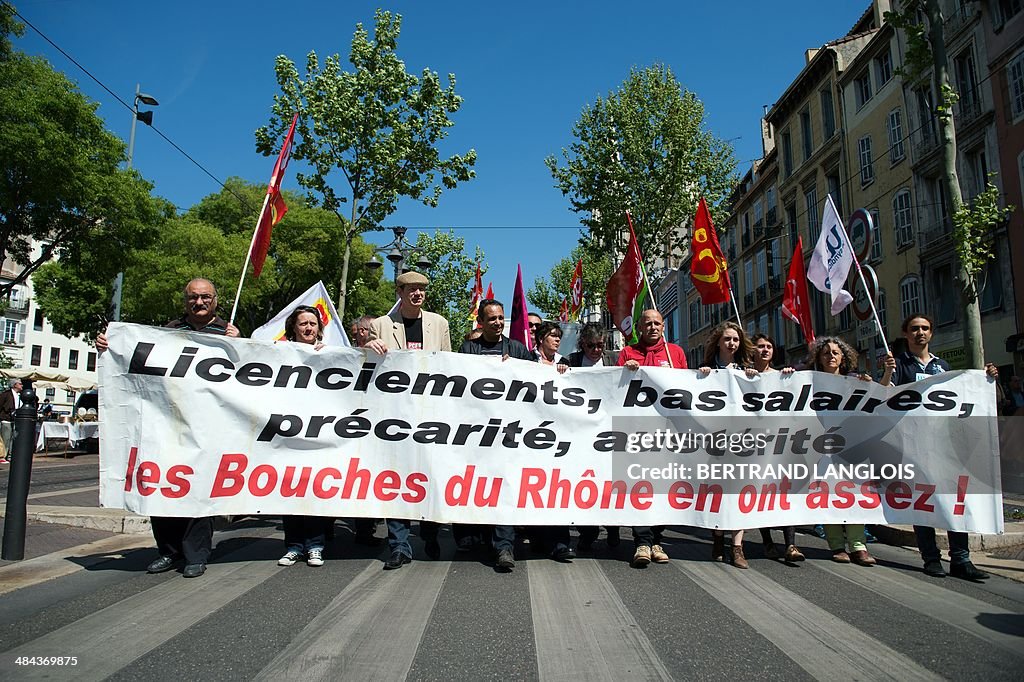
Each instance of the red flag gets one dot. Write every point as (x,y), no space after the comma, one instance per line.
(490,292)
(563,315)
(576,292)
(627,289)
(478,292)
(708,269)
(795,303)
(519,327)
(274,207)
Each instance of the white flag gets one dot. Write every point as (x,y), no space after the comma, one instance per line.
(315,297)
(832,258)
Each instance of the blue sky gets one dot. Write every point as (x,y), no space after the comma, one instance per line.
(525,70)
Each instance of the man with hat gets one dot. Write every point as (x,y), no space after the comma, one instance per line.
(409,327)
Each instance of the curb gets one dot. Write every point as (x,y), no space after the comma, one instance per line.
(903,536)
(110,520)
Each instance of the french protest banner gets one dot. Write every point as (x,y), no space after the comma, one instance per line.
(200,425)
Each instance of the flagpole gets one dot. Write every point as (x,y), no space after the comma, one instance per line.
(871,301)
(732,297)
(248,256)
(643,268)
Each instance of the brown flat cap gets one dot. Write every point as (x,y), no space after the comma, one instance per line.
(412,278)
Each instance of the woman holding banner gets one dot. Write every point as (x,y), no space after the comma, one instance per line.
(728,348)
(832,355)
(304,535)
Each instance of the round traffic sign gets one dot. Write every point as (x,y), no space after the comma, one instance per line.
(862,299)
(859,227)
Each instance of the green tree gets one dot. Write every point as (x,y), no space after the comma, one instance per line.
(643,148)
(62,186)
(451,278)
(547,293)
(972,225)
(376,126)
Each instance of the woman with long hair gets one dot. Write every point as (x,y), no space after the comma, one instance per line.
(304,535)
(728,348)
(832,355)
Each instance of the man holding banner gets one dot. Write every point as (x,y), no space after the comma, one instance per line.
(410,327)
(179,538)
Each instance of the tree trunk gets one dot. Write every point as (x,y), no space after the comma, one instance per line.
(974,351)
(343,287)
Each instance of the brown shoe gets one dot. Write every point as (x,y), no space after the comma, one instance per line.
(642,557)
(771,551)
(840,556)
(658,555)
(793,554)
(718,547)
(738,560)
(862,558)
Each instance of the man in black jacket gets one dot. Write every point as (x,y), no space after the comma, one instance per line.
(8,404)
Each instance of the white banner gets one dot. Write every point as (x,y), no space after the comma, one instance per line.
(197,425)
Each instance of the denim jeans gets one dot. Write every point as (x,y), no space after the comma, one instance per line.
(503,537)
(303,533)
(400,529)
(958,551)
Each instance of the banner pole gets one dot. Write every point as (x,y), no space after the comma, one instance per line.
(248,256)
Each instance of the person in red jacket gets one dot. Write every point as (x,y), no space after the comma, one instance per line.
(651,351)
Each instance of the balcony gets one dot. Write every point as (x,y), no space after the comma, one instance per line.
(762,293)
(771,218)
(758,233)
(748,301)
(959,19)
(927,143)
(17,306)
(732,252)
(745,239)
(775,283)
(937,234)
(969,110)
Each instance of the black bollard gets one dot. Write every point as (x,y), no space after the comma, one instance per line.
(21,473)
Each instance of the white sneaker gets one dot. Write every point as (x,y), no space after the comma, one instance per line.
(315,557)
(289,558)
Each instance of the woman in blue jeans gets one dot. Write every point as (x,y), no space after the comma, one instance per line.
(304,535)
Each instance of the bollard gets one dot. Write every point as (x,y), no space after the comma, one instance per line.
(21,474)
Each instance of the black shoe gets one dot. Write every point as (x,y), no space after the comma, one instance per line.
(506,561)
(465,545)
(396,560)
(933,567)
(967,571)
(194,570)
(164,563)
(433,549)
(613,536)
(368,540)
(563,554)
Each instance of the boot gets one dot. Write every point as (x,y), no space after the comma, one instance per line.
(738,560)
(718,547)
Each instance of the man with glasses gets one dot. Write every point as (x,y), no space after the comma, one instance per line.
(360,331)
(180,538)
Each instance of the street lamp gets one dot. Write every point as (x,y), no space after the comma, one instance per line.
(398,251)
(147,118)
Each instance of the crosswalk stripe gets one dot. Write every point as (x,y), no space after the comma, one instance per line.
(369,631)
(112,638)
(816,640)
(67,561)
(580,624)
(958,610)
(57,493)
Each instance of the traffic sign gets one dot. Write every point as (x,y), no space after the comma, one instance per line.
(862,299)
(860,227)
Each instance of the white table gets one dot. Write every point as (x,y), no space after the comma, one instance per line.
(70,433)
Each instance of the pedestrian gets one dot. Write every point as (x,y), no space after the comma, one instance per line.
(304,535)
(1013,399)
(409,327)
(492,343)
(9,401)
(764,353)
(914,364)
(651,350)
(359,330)
(728,348)
(832,355)
(365,528)
(183,538)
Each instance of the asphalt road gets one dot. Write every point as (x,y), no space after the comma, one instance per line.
(456,619)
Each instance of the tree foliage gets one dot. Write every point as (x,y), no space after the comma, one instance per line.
(369,135)
(547,293)
(61,184)
(644,148)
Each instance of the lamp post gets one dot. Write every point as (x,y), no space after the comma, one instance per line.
(147,118)
(397,251)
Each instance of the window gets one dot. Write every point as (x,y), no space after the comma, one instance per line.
(876,237)
(694,316)
(867,169)
(835,188)
(806,133)
(942,284)
(902,218)
(862,88)
(880,307)
(977,165)
(1006,10)
(758,214)
(70,395)
(845,318)
(37,320)
(926,116)
(794,231)
(72,359)
(828,115)
(762,271)
(813,228)
(10,331)
(963,66)
(51,392)
(910,296)
(883,68)
(787,155)
(1015,84)
(896,149)
(90,363)
(37,356)
(773,258)
(991,295)
(748,277)
(55,357)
